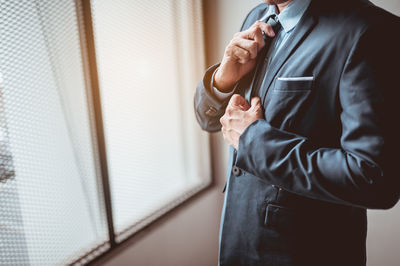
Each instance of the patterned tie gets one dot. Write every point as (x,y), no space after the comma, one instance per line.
(264,56)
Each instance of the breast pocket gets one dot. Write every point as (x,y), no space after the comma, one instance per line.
(287,101)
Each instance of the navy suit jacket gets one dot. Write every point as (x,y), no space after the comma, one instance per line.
(303,177)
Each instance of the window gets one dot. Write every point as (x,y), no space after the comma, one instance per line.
(95,143)
(145,52)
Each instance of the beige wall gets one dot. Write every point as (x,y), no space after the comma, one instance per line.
(189,235)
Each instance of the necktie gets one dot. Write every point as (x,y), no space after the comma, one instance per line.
(264,55)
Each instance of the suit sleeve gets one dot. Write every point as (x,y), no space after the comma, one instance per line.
(208,108)
(362,171)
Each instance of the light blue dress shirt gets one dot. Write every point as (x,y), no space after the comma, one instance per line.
(288,18)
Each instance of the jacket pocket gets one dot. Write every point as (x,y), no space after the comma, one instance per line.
(287,100)
(279,217)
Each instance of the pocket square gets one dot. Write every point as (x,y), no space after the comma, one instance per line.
(296,78)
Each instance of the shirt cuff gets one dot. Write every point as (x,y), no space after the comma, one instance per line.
(221,96)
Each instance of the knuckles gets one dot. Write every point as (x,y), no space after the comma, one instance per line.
(235,98)
(228,50)
(256,28)
(257,107)
(254,45)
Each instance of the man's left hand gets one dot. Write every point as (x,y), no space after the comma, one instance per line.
(238,116)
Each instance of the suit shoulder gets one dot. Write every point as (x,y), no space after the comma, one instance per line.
(354,14)
(259,7)
(377,17)
(254,14)
(372,16)
(352,19)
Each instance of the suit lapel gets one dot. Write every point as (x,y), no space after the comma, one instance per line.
(306,24)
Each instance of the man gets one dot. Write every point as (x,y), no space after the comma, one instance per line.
(306,95)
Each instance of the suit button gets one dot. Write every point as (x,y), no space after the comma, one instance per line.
(236,171)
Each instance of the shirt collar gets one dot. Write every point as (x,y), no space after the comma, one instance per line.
(291,15)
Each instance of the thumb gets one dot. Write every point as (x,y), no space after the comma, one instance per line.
(238,101)
(255,103)
(267,29)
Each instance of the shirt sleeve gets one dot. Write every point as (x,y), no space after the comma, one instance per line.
(221,96)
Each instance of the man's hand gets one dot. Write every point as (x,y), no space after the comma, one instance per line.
(238,116)
(240,55)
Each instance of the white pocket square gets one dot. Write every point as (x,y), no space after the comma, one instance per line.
(295,78)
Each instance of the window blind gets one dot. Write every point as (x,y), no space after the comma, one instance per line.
(149,54)
(51,210)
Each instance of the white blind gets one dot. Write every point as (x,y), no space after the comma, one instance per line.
(150,56)
(51,209)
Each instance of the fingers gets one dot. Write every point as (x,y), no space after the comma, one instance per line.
(266,28)
(256,31)
(238,101)
(245,45)
(255,102)
(237,119)
(256,107)
(230,136)
(249,45)
(253,33)
(259,38)
(234,111)
(242,56)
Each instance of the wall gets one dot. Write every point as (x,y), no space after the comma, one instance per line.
(188,236)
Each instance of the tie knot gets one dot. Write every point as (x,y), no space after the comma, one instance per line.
(273,20)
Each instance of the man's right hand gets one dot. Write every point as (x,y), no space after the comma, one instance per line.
(240,55)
